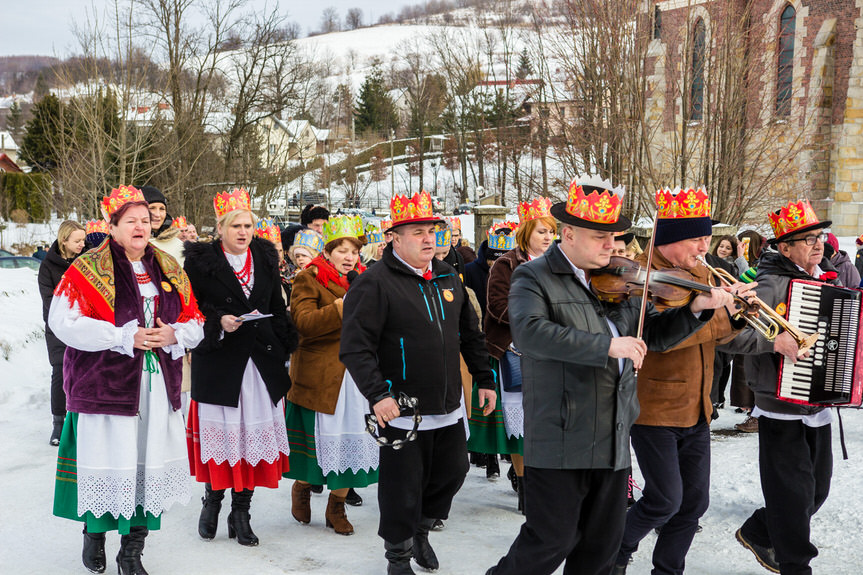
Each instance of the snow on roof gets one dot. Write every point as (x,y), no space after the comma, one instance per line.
(7,142)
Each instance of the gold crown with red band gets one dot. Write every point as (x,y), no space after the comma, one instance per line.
(690,203)
(97,227)
(120,197)
(416,209)
(180,222)
(267,230)
(793,217)
(504,228)
(538,208)
(600,207)
(226,202)
(385,225)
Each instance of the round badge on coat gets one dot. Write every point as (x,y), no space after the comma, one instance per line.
(447,295)
(166,286)
(781,308)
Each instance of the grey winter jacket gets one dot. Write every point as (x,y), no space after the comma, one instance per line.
(578,407)
(848,274)
(775,273)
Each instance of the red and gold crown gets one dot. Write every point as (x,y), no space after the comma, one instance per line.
(793,218)
(268,230)
(96,227)
(453,223)
(597,207)
(385,225)
(538,208)
(226,202)
(690,203)
(180,222)
(505,228)
(415,210)
(120,197)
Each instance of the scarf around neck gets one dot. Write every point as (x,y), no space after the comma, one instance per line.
(327,273)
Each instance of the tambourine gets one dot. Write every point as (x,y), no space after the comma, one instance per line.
(408,406)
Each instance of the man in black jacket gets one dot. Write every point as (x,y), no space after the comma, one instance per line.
(405,321)
(578,355)
(794,440)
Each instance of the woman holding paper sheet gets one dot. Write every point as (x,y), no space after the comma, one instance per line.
(236,427)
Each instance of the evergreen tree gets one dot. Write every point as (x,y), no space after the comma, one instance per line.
(15,120)
(525,68)
(43,132)
(375,110)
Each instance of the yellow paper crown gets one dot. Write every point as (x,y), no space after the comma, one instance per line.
(792,217)
(690,203)
(226,202)
(97,227)
(417,209)
(120,197)
(601,207)
(268,230)
(180,222)
(310,239)
(538,208)
(443,235)
(342,227)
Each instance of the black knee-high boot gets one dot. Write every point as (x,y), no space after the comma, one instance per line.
(131,549)
(212,504)
(399,557)
(423,553)
(238,518)
(93,554)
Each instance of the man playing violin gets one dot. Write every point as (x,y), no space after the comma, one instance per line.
(578,361)
(671,437)
(794,441)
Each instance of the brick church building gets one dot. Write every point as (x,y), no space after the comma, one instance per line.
(804,83)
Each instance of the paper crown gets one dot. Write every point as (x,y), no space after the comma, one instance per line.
(501,242)
(505,228)
(268,230)
(793,218)
(180,222)
(599,207)
(120,197)
(96,227)
(343,227)
(538,208)
(443,236)
(226,202)
(690,203)
(415,210)
(453,223)
(309,239)
(385,225)
(374,236)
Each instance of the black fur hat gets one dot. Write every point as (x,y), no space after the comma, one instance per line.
(312,212)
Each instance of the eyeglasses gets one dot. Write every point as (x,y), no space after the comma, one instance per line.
(810,240)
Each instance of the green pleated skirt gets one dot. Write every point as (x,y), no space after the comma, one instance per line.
(487,432)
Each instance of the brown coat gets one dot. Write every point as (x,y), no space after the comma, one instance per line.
(674,386)
(497,335)
(316,371)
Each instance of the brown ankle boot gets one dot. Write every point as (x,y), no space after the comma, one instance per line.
(336,517)
(301,497)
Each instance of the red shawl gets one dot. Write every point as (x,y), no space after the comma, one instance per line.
(327,273)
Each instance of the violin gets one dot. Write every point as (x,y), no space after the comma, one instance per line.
(623,278)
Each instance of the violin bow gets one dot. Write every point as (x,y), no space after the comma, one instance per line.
(644,298)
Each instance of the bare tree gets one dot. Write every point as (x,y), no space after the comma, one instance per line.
(330,21)
(354,19)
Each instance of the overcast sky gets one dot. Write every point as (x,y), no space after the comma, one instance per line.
(45,26)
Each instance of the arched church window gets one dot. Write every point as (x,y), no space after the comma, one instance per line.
(696,91)
(785,68)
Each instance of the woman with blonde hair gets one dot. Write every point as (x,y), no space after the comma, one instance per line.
(236,425)
(70,243)
(325,410)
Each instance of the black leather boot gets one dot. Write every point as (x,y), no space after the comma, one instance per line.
(492,468)
(520,482)
(399,557)
(209,520)
(131,549)
(93,554)
(57,430)
(353,498)
(238,518)
(422,550)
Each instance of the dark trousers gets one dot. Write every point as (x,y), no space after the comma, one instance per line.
(796,465)
(721,375)
(675,462)
(572,515)
(58,396)
(741,395)
(420,479)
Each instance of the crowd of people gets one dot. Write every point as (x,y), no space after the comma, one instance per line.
(342,356)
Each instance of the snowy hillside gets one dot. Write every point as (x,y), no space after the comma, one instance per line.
(480,529)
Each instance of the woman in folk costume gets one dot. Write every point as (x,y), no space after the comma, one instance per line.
(326,411)
(126,312)
(236,430)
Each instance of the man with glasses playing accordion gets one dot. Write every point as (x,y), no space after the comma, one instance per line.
(794,437)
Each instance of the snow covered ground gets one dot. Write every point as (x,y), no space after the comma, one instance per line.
(480,529)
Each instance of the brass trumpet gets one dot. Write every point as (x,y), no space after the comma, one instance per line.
(767,322)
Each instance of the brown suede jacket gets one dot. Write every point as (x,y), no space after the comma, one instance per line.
(674,386)
(316,371)
(497,335)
